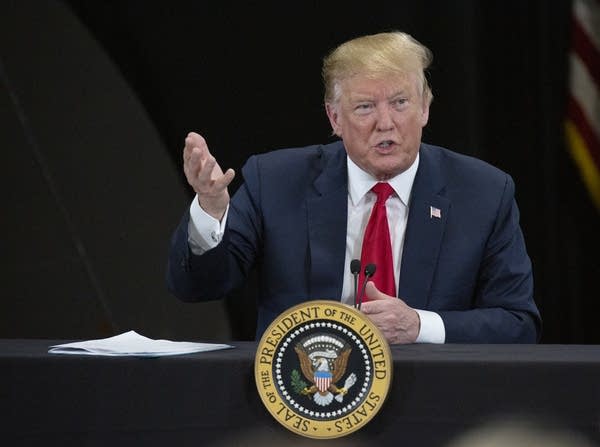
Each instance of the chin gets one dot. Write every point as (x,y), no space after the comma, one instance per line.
(386,172)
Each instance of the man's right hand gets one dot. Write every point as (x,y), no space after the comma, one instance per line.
(204,174)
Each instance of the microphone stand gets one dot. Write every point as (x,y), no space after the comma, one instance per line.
(355,270)
(369,271)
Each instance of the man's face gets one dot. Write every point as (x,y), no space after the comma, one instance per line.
(380,122)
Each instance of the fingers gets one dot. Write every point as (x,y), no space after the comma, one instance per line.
(206,165)
(204,174)
(378,301)
(192,163)
(398,322)
(210,177)
(193,141)
(224,181)
(376,298)
(195,152)
(201,169)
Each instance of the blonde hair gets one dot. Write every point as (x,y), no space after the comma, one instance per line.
(376,55)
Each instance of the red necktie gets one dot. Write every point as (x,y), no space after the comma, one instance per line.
(377,246)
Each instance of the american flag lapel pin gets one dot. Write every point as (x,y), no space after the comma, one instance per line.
(435,212)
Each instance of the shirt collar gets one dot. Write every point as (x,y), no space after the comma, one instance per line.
(361,182)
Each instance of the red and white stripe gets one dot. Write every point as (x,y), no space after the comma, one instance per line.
(583,111)
(323,383)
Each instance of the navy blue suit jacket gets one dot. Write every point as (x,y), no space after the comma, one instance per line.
(288,219)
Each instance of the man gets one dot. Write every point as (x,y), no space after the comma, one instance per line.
(457,253)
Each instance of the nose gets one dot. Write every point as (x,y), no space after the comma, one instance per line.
(385,120)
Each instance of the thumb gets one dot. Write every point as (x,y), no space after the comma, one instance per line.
(373,293)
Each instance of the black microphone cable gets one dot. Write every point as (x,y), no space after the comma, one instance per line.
(369,271)
(355,270)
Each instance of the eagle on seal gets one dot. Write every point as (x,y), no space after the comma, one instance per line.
(324,369)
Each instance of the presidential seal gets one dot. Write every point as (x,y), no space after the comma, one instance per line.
(322,369)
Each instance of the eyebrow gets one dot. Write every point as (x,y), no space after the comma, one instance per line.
(360,97)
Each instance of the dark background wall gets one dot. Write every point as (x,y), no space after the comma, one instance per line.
(97,96)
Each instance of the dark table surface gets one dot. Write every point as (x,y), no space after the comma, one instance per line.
(438,392)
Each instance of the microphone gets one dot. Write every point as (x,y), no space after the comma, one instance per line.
(355,270)
(369,271)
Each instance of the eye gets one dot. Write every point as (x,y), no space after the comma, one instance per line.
(363,107)
(398,103)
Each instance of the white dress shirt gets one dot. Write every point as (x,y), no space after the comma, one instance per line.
(205,232)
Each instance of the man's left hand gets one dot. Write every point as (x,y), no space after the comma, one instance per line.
(398,322)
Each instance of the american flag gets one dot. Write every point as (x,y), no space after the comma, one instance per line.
(582,126)
(435,212)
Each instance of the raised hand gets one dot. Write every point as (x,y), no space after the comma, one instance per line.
(204,174)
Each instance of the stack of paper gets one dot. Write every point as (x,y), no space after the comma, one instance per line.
(133,344)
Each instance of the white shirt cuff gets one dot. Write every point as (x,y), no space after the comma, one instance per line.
(432,327)
(204,231)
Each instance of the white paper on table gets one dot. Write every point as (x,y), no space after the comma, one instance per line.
(133,344)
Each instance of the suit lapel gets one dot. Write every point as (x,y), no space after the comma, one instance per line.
(424,231)
(327,217)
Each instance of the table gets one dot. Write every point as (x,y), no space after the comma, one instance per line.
(438,391)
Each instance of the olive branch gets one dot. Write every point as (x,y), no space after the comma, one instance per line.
(297,383)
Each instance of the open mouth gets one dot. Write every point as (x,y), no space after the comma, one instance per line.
(386,144)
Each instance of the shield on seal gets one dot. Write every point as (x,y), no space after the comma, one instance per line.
(323,380)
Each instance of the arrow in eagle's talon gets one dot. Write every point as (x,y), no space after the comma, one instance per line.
(350,380)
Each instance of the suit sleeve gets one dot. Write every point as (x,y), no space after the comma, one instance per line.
(504,310)
(220,270)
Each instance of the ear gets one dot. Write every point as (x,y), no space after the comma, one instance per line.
(334,118)
(425,110)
